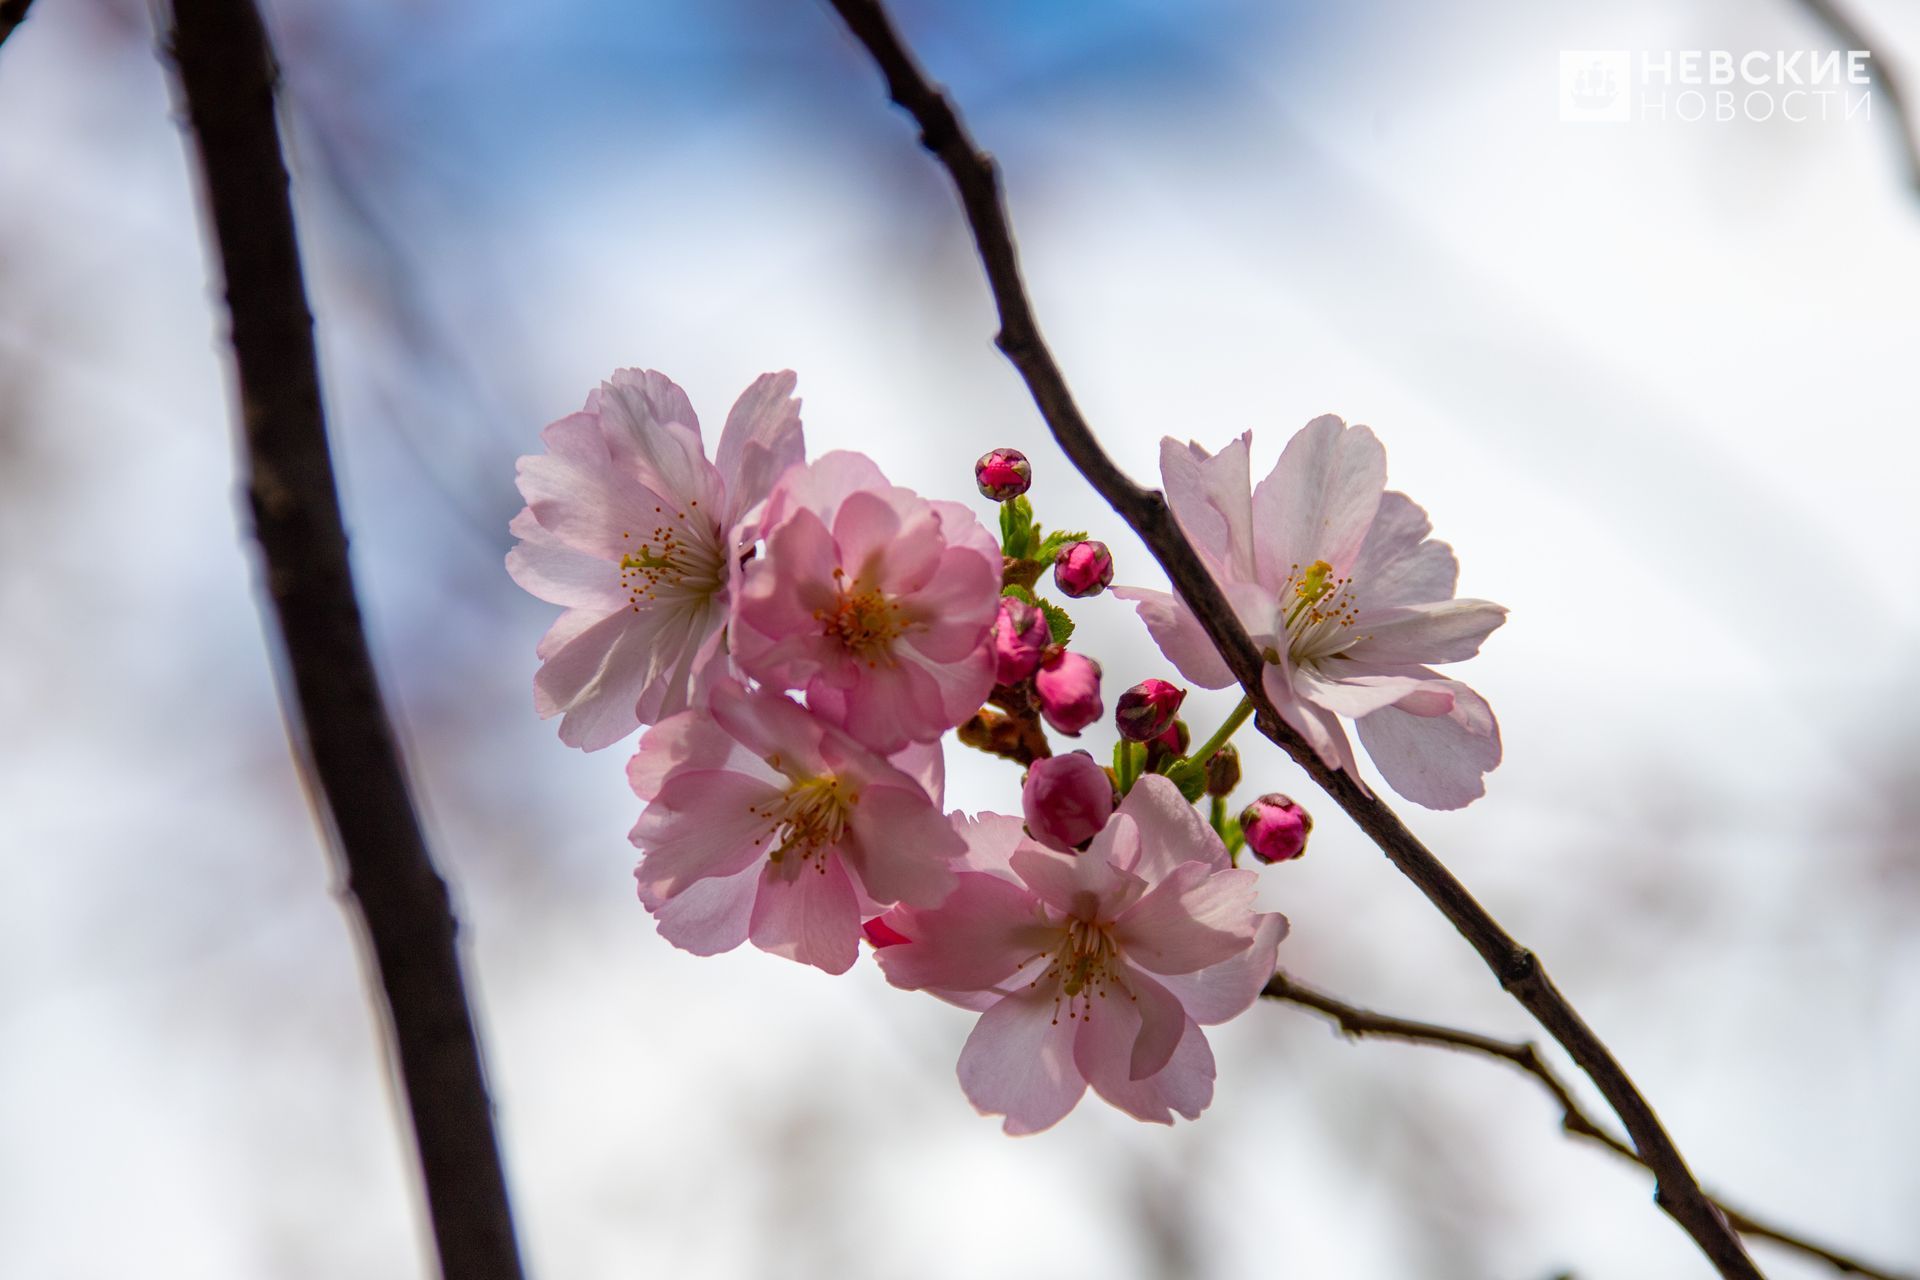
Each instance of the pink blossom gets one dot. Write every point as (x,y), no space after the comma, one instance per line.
(1337,581)
(1098,968)
(1020,639)
(764,822)
(1066,800)
(1147,710)
(631,528)
(1067,686)
(1003,474)
(874,600)
(1083,569)
(1276,828)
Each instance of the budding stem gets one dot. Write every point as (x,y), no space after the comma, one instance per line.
(1191,768)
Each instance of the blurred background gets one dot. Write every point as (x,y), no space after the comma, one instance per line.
(1657,385)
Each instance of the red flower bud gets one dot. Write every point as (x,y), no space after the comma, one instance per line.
(1275,827)
(1147,710)
(1067,686)
(1083,569)
(1003,474)
(1067,799)
(1019,638)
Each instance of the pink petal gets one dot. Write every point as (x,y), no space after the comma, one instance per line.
(761,440)
(1436,761)
(545,567)
(772,726)
(985,930)
(702,823)
(810,915)
(649,424)
(1019,1062)
(1319,500)
(597,678)
(1356,695)
(1162,1024)
(926,764)
(1180,636)
(1444,631)
(865,530)
(1104,1051)
(1398,564)
(690,740)
(962,529)
(589,507)
(1196,917)
(1086,885)
(1171,830)
(1320,727)
(991,839)
(955,607)
(903,848)
(709,916)
(1212,499)
(1226,990)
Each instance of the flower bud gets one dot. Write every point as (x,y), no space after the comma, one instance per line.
(1067,799)
(1002,474)
(1019,637)
(1223,771)
(1147,710)
(1067,686)
(1170,745)
(1083,569)
(1275,827)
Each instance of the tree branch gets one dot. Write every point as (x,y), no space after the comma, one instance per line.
(1848,35)
(1517,969)
(12,14)
(1356,1022)
(329,692)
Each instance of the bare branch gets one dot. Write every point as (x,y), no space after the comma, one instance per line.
(329,692)
(12,14)
(1355,1021)
(1519,972)
(1849,36)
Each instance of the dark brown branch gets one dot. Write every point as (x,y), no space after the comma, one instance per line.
(1355,1021)
(12,14)
(329,692)
(977,185)
(1848,35)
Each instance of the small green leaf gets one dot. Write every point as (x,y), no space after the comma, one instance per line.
(1018,592)
(1059,625)
(1050,546)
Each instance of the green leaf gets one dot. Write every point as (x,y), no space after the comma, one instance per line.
(1018,592)
(1059,625)
(1050,546)
(1017,533)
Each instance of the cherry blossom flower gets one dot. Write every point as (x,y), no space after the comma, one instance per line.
(874,600)
(1338,582)
(630,527)
(1098,968)
(765,822)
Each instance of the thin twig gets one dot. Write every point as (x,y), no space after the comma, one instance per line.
(12,14)
(329,693)
(1847,33)
(1519,972)
(1355,1021)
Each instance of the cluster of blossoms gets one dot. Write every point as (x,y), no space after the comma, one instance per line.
(796,637)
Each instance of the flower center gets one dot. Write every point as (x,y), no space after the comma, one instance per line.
(680,560)
(1320,613)
(811,816)
(1086,962)
(866,621)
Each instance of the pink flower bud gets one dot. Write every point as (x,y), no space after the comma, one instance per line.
(1003,474)
(1147,710)
(881,934)
(1276,828)
(1067,686)
(1019,637)
(1170,745)
(1083,569)
(1067,799)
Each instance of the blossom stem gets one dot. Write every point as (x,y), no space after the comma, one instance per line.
(1222,735)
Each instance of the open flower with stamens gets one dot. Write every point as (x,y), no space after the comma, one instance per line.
(1336,580)
(1094,968)
(630,527)
(874,600)
(764,822)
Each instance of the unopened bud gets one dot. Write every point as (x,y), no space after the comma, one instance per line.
(1083,569)
(1067,687)
(1147,710)
(1170,745)
(1019,638)
(1003,474)
(1223,771)
(1067,799)
(1275,827)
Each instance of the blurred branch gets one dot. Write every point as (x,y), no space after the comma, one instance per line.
(1849,36)
(12,14)
(1356,1022)
(329,692)
(1519,972)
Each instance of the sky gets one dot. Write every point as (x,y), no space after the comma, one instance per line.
(1654,382)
